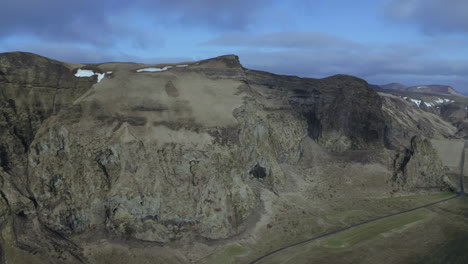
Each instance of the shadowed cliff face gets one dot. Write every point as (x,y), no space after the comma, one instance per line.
(32,89)
(457,115)
(404,120)
(341,111)
(410,173)
(181,154)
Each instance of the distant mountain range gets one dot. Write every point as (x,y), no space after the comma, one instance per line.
(426,89)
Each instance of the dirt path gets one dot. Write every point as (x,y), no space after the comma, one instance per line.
(257,260)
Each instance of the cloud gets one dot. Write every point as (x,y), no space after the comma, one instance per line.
(102,23)
(77,54)
(220,14)
(315,54)
(55,20)
(431,16)
(364,64)
(65,52)
(303,40)
(411,63)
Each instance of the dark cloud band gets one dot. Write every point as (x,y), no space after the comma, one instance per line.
(432,16)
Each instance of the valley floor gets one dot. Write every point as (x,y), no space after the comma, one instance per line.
(427,235)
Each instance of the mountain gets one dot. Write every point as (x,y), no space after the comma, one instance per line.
(441,100)
(443,90)
(202,162)
(434,89)
(394,86)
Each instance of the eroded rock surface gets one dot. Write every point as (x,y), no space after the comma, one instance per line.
(182,154)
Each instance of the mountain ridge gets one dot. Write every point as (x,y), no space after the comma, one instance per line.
(434,89)
(176,159)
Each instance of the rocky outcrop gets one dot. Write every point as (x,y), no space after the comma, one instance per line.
(159,167)
(32,88)
(404,120)
(457,114)
(419,168)
(180,154)
(416,165)
(341,111)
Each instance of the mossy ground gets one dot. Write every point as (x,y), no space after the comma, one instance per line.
(433,235)
(426,198)
(362,233)
(227,256)
(453,251)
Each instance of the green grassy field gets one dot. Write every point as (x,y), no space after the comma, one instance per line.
(454,251)
(362,233)
(432,197)
(227,256)
(340,247)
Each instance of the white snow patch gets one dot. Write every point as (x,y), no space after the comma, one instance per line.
(154,69)
(89,73)
(428,104)
(418,102)
(405,97)
(183,65)
(100,76)
(84,73)
(439,101)
(109,72)
(447,100)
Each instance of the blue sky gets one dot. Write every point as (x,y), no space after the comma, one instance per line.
(407,41)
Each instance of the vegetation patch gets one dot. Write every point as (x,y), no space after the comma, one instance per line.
(228,256)
(362,233)
(423,197)
(454,251)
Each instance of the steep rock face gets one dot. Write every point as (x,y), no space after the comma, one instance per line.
(181,154)
(147,159)
(416,165)
(457,115)
(33,88)
(404,120)
(162,164)
(342,112)
(419,168)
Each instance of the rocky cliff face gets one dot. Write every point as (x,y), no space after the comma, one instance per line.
(419,167)
(406,120)
(33,88)
(416,164)
(181,154)
(457,115)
